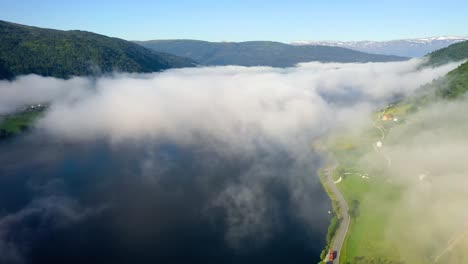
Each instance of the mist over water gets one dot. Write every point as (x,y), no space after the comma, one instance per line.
(208,165)
(80,203)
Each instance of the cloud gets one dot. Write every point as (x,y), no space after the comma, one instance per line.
(264,117)
(34,89)
(429,173)
(231,104)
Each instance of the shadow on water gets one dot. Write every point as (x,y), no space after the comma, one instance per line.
(65,202)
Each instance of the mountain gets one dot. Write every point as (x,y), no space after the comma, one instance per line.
(260,53)
(404,47)
(455,83)
(49,52)
(455,52)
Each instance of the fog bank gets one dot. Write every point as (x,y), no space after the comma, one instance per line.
(231,104)
(191,149)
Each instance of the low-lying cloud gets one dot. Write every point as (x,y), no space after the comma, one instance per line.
(231,104)
(428,163)
(261,121)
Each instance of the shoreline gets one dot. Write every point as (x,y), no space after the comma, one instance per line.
(340,222)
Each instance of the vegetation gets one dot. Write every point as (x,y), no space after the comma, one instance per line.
(20,121)
(366,235)
(456,83)
(332,228)
(451,86)
(354,208)
(334,224)
(335,220)
(263,53)
(372,197)
(454,52)
(47,52)
(372,260)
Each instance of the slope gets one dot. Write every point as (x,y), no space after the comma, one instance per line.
(455,83)
(48,52)
(381,179)
(455,52)
(260,53)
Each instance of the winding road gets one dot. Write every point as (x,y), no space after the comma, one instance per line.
(342,231)
(340,234)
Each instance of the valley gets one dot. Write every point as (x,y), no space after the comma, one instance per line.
(180,132)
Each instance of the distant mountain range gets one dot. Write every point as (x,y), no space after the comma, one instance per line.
(57,53)
(260,53)
(417,47)
(48,52)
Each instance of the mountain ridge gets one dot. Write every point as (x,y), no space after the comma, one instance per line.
(57,53)
(454,52)
(416,47)
(259,53)
(455,83)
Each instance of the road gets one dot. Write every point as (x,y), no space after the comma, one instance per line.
(340,234)
(452,243)
(342,231)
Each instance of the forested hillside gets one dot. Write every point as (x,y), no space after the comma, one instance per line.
(260,53)
(455,52)
(48,52)
(456,82)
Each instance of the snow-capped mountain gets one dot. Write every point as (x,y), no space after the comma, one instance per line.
(404,47)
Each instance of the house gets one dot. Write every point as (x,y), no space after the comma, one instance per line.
(387,117)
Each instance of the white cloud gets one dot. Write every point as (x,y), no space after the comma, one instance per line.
(232,109)
(232,104)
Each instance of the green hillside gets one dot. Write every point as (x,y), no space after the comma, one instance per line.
(48,52)
(17,122)
(456,82)
(386,228)
(454,52)
(263,53)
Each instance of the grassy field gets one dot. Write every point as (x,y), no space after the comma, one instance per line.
(371,196)
(401,109)
(15,123)
(376,201)
(385,227)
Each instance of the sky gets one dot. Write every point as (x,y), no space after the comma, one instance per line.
(241,20)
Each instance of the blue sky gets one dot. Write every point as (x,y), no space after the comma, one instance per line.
(230,20)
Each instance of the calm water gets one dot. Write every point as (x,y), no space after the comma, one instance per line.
(156,203)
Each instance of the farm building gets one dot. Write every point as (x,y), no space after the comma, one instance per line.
(387,117)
